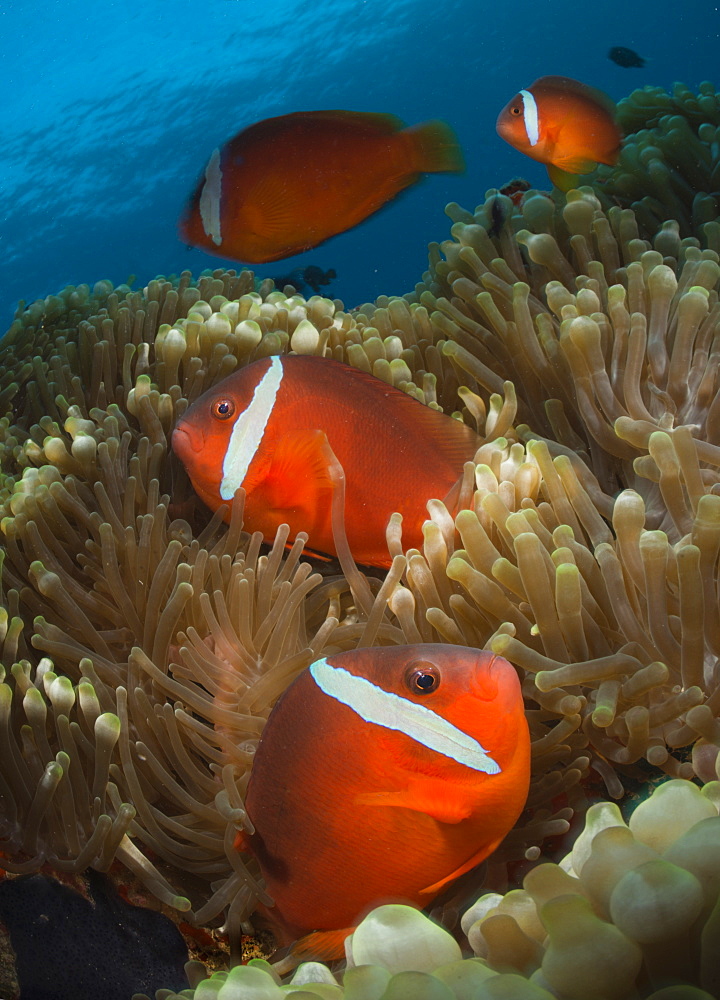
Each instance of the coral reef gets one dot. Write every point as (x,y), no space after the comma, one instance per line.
(631,912)
(144,641)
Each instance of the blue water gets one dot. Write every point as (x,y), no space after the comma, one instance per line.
(111,112)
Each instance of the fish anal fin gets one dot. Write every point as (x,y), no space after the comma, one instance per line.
(437,799)
(562,179)
(323,946)
(298,474)
(576,165)
(436,887)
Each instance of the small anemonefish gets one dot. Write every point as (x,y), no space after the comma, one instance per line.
(564,124)
(285,184)
(273,428)
(382,775)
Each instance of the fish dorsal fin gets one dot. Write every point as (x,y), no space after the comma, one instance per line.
(567,85)
(457,441)
(377,120)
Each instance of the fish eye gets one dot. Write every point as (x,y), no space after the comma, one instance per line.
(223,408)
(515,110)
(423,678)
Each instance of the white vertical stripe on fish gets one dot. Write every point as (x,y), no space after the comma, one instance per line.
(383,708)
(530,117)
(210,199)
(247,433)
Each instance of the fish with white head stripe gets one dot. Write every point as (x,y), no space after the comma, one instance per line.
(383,775)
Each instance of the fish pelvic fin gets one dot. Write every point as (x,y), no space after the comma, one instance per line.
(436,148)
(476,859)
(565,180)
(322,946)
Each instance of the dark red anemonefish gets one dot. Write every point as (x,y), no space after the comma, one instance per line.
(382,775)
(267,428)
(564,124)
(285,184)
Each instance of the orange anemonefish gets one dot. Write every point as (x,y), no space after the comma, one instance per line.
(567,125)
(285,184)
(275,429)
(382,775)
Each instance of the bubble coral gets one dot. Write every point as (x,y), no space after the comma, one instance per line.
(630,912)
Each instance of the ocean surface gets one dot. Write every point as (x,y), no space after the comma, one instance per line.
(111,111)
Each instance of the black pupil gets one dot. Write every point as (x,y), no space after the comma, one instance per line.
(224,407)
(426,682)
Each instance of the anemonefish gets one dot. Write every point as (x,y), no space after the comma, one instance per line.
(382,775)
(275,429)
(567,125)
(285,184)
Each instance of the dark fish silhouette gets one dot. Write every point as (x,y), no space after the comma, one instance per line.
(626,57)
(305,277)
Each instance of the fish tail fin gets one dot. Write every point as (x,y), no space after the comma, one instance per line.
(436,148)
(322,946)
(562,179)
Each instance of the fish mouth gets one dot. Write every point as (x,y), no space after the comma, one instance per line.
(186,444)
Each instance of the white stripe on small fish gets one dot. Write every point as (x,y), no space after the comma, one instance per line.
(210,199)
(247,434)
(383,708)
(530,117)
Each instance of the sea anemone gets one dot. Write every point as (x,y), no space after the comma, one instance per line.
(147,641)
(632,911)
(669,166)
(147,648)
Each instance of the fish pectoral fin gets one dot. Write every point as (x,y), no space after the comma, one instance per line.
(299,472)
(433,798)
(436,887)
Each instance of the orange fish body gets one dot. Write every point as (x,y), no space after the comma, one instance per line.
(382,775)
(285,184)
(564,124)
(273,427)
